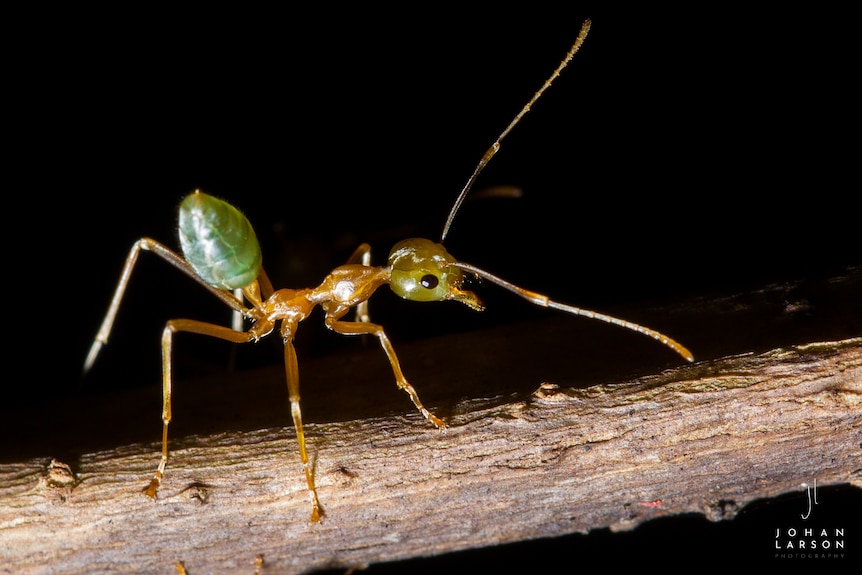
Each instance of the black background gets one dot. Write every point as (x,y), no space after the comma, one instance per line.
(680,154)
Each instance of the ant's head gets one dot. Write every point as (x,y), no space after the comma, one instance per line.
(423,270)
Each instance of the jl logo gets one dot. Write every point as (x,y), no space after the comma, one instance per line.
(810,504)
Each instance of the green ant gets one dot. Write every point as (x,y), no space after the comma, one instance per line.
(221,252)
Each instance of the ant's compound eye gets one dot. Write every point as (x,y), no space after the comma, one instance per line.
(429,281)
(420,271)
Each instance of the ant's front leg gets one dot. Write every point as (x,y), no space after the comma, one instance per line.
(360,328)
(362,256)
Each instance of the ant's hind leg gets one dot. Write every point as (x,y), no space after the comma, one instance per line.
(171,328)
(168,255)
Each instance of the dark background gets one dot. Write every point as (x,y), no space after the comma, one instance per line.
(679,155)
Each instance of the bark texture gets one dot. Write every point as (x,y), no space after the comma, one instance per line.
(774,398)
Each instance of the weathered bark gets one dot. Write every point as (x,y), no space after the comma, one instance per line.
(547,460)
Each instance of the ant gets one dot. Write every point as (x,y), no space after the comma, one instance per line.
(221,252)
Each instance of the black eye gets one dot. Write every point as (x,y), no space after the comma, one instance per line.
(429,281)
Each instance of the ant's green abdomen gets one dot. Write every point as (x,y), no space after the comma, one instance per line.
(218,241)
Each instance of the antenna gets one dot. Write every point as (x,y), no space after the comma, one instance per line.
(495,147)
(544,301)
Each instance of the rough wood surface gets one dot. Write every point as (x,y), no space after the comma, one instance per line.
(546,460)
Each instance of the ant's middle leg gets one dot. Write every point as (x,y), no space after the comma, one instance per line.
(291,367)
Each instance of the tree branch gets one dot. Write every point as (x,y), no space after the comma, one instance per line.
(707,438)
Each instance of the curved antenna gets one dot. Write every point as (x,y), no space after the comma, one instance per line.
(582,35)
(544,301)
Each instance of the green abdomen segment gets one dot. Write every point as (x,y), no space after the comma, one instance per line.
(218,241)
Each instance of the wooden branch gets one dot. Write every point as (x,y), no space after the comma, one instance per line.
(706,438)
